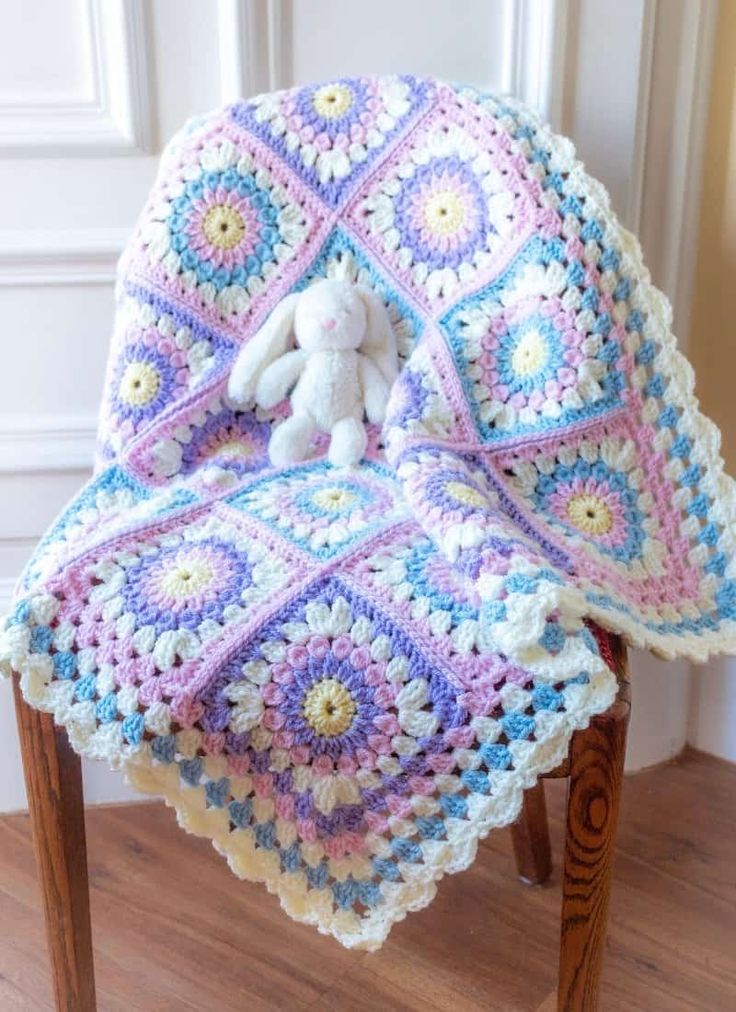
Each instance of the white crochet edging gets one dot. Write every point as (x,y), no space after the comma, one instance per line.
(314,907)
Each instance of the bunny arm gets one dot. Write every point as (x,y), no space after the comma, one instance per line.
(279,377)
(375,389)
(271,341)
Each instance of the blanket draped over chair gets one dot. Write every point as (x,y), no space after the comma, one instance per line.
(346,678)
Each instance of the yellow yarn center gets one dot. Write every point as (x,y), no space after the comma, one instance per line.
(590,513)
(186,579)
(334,499)
(530,354)
(444,213)
(466,494)
(139,384)
(332,101)
(223,226)
(329,707)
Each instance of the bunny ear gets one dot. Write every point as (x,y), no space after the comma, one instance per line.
(266,345)
(379,343)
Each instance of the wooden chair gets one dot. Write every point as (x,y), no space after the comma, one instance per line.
(594,767)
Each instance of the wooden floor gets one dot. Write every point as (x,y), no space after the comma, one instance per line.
(175,930)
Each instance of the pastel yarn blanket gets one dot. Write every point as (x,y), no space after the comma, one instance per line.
(346,678)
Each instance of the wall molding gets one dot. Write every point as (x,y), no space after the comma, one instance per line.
(635,193)
(667,76)
(253,46)
(237,50)
(534,44)
(46,443)
(116,117)
(60,256)
(685,177)
(255,50)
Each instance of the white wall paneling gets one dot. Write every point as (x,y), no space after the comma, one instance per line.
(474,41)
(672,172)
(240,54)
(78,111)
(49,444)
(713,708)
(54,365)
(536,40)
(252,44)
(90,88)
(97,99)
(185,46)
(606,84)
(263,45)
(60,256)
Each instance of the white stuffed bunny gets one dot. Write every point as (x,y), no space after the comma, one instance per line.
(344,364)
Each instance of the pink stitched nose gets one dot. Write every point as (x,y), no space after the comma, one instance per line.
(329,324)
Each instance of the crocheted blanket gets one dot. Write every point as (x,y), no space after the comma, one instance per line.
(346,678)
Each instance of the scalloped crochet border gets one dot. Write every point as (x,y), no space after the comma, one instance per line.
(418,889)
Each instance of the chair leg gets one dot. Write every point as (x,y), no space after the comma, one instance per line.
(53,775)
(594,791)
(530,837)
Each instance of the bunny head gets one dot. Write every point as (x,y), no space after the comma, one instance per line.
(329,315)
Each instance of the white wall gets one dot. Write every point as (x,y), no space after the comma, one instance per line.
(713,708)
(81,124)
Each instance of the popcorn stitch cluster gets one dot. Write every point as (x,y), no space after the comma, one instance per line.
(346,679)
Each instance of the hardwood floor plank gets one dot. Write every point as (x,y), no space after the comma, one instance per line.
(174,930)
